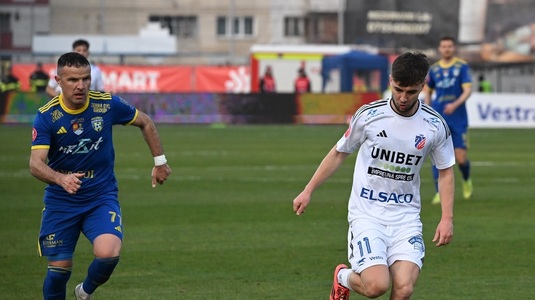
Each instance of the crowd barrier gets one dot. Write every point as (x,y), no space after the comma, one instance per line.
(484,110)
(208,108)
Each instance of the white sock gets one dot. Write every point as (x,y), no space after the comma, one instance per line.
(83,293)
(343,277)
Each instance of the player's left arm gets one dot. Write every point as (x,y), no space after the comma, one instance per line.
(467,91)
(446,187)
(161,169)
(466,87)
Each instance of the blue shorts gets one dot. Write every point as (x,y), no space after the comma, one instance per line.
(459,136)
(60,229)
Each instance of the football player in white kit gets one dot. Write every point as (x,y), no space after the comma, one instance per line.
(393,137)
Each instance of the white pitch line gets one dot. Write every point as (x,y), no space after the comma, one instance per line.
(501,163)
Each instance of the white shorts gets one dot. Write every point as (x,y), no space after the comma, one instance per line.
(371,244)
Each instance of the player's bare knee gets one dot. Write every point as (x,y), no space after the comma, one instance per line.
(60,263)
(106,254)
(403,291)
(376,288)
(460,158)
(106,246)
(106,251)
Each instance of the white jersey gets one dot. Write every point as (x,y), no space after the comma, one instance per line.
(97,83)
(392,149)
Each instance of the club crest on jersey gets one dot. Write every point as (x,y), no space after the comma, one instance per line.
(419,141)
(97,123)
(77,127)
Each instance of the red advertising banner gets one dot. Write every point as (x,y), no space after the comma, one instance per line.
(162,79)
(222,79)
(119,78)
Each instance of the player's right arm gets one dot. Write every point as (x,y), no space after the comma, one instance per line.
(428,88)
(40,170)
(329,165)
(427,94)
(52,89)
(446,187)
(99,81)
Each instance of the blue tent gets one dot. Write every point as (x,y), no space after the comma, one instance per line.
(349,63)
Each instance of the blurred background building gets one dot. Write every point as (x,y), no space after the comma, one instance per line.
(201,31)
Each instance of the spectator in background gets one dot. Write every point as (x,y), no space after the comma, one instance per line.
(484,85)
(9,82)
(267,82)
(97,83)
(39,79)
(451,81)
(302,83)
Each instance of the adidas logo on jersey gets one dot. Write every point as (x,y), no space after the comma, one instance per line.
(382,134)
(62,130)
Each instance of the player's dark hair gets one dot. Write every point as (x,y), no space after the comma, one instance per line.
(410,68)
(447,38)
(80,42)
(72,59)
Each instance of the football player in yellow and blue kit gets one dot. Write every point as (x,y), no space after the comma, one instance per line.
(72,151)
(451,81)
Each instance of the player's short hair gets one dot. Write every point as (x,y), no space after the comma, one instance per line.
(72,59)
(80,42)
(447,38)
(410,68)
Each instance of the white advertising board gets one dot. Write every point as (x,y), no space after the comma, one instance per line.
(501,110)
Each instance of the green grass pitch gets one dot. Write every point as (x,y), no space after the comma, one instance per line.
(222,226)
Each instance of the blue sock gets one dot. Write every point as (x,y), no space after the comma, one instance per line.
(55,285)
(435,177)
(465,170)
(99,272)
